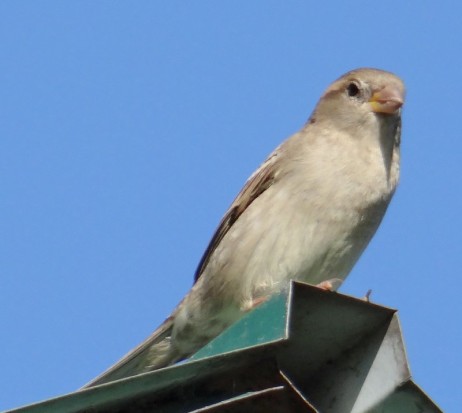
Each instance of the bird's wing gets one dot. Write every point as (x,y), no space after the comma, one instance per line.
(156,352)
(259,182)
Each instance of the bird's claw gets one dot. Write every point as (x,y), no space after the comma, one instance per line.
(330,285)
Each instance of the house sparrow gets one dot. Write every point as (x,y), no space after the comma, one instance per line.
(307,213)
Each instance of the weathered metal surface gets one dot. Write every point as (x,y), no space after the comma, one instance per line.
(407,398)
(306,350)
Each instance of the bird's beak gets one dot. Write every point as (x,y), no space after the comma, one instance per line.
(387,100)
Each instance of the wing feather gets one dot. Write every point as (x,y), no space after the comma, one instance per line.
(259,182)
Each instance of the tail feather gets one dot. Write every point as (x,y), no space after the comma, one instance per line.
(153,353)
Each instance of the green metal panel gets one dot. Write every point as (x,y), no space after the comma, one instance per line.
(305,350)
(267,324)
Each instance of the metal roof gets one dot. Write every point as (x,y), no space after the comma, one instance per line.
(305,350)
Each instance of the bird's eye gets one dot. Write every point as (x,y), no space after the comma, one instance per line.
(353,89)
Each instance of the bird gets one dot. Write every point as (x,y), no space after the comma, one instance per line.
(306,214)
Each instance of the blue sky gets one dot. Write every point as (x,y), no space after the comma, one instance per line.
(127,128)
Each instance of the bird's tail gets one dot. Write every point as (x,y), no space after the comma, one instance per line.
(153,353)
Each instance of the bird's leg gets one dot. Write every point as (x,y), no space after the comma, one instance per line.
(330,285)
(251,304)
(258,301)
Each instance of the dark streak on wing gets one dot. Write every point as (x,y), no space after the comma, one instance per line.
(258,183)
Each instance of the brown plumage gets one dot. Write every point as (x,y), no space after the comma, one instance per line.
(307,214)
